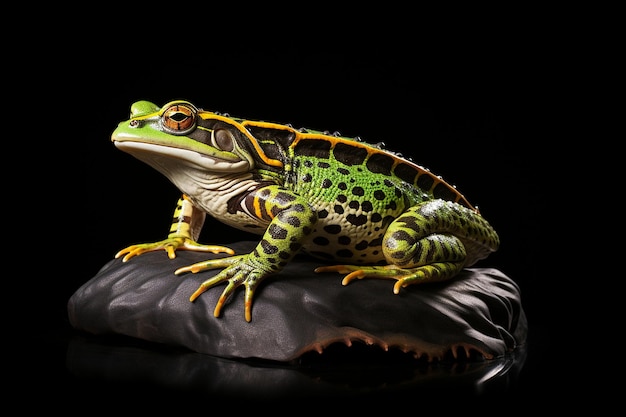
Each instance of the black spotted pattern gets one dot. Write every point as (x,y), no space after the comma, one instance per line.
(317,148)
(349,155)
(380,163)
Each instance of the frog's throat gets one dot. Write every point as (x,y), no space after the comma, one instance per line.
(155,155)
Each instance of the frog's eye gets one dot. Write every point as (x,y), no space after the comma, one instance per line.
(179,119)
(223,139)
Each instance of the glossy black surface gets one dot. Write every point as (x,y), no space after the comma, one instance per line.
(299,311)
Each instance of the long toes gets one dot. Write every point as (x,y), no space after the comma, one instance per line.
(352,276)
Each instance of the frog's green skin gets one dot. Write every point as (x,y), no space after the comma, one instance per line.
(369,210)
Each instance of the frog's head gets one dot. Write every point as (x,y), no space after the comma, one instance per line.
(180,137)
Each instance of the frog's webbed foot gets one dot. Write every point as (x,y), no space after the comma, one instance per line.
(240,270)
(438,271)
(170,245)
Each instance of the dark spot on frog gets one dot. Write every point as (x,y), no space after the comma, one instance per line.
(333,229)
(406,172)
(380,163)
(277,232)
(387,221)
(358,191)
(349,154)
(313,147)
(268,248)
(362,245)
(321,241)
(357,220)
(400,235)
(424,182)
(442,191)
(284,197)
(391,206)
(344,240)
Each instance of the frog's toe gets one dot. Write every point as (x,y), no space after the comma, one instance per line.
(359,271)
(342,269)
(353,272)
(194,246)
(235,278)
(233,283)
(171,251)
(248,303)
(195,268)
(128,253)
(209,264)
(223,297)
(399,285)
(358,274)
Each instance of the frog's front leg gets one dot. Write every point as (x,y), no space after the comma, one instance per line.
(427,243)
(184,232)
(291,220)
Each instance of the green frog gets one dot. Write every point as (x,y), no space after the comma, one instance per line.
(365,211)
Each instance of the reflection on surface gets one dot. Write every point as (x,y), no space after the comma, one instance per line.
(340,371)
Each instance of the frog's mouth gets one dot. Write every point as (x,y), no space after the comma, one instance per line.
(159,156)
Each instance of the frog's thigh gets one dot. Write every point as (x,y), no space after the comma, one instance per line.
(409,244)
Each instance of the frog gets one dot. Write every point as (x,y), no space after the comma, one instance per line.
(362,210)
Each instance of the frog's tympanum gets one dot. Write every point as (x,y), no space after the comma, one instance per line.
(366,211)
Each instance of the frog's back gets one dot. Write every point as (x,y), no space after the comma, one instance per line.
(334,165)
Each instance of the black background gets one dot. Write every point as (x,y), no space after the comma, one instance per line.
(476,107)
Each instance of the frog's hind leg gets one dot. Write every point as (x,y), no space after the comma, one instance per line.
(437,257)
(416,270)
(415,252)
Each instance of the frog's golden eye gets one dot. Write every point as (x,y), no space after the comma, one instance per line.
(223,139)
(179,119)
